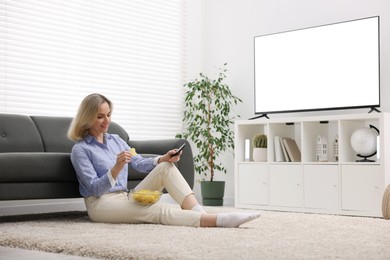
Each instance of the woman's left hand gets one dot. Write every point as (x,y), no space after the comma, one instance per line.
(168,157)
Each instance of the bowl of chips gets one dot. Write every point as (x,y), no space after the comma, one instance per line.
(145,197)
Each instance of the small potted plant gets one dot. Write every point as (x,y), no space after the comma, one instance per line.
(260,148)
(209,124)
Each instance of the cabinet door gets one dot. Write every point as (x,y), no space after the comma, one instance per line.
(362,188)
(321,186)
(285,185)
(253,184)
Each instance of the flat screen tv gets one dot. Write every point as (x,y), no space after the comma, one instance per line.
(334,66)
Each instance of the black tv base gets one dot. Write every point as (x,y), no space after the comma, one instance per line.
(374,109)
(259,116)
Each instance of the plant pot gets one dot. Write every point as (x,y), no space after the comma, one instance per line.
(259,154)
(212,192)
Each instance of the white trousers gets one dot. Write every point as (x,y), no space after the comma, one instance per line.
(118,208)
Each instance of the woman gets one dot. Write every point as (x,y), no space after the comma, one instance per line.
(101,161)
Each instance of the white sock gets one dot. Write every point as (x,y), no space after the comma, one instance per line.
(235,219)
(198,208)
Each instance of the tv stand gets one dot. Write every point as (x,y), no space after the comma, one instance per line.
(340,185)
(374,109)
(259,116)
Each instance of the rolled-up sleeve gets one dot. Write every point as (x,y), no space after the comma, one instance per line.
(143,164)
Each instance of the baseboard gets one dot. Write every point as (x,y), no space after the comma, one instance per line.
(228,201)
(20,207)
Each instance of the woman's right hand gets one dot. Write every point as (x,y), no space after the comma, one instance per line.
(121,159)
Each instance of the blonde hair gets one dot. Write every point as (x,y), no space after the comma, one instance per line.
(86,115)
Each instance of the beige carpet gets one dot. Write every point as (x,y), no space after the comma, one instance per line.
(275,235)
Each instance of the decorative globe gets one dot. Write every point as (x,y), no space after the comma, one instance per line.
(363,141)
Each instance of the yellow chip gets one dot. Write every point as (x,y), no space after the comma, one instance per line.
(133,152)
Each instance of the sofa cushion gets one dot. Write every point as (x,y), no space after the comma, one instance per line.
(19,134)
(36,167)
(54,131)
(39,190)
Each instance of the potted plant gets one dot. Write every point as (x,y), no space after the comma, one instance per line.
(259,148)
(208,124)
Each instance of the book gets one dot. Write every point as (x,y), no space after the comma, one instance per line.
(279,155)
(292,149)
(286,157)
(247,152)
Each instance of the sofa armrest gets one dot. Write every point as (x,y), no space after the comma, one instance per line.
(160,147)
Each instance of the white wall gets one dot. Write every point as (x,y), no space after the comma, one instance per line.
(228,28)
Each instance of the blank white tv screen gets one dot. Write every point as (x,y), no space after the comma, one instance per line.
(333,66)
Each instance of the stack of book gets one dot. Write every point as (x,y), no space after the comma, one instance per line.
(286,150)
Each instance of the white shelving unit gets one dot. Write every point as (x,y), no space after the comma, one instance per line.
(339,186)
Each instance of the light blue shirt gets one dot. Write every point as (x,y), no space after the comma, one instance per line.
(93,162)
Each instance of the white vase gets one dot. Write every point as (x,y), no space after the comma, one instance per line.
(259,154)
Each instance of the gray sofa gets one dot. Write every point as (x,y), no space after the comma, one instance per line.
(35,157)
